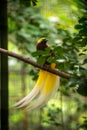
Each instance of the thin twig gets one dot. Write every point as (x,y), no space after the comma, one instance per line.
(29,61)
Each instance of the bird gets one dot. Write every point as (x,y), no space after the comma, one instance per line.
(46,85)
(42,44)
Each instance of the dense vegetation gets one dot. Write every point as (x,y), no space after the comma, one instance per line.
(64,24)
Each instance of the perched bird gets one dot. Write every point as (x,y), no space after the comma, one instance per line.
(42,44)
(45,87)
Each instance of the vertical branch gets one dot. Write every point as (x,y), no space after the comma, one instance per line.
(85,114)
(62,118)
(4,66)
(23,78)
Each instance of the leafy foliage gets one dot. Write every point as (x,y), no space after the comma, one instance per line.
(64,24)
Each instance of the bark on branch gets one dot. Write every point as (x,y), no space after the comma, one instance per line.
(29,61)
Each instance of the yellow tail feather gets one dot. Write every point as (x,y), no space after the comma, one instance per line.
(46,85)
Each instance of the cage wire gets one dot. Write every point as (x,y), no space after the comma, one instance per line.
(21,83)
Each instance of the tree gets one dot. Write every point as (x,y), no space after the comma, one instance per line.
(26,25)
(4,67)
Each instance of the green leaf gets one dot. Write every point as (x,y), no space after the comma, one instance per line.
(51,59)
(74,81)
(58,50)
(78,26)
(83,72)
(41,60)
(83,19)
(47,50)
(85,61)
(34,2)
(38,53)
(57,124)
(82,90)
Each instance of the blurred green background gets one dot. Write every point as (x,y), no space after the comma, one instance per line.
(64,24)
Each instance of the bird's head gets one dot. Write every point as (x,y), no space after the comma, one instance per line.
(42,44)
(42,41)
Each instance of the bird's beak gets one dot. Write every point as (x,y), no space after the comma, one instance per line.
(46,40)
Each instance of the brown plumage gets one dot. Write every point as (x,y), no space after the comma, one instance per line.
(42,45)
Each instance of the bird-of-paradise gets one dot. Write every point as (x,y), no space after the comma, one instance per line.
(45,87)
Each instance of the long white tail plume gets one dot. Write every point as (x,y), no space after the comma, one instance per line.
(46,86)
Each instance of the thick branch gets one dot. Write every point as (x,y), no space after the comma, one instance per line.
(29,61)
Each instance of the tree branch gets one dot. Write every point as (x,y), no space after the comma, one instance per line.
(29,61)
